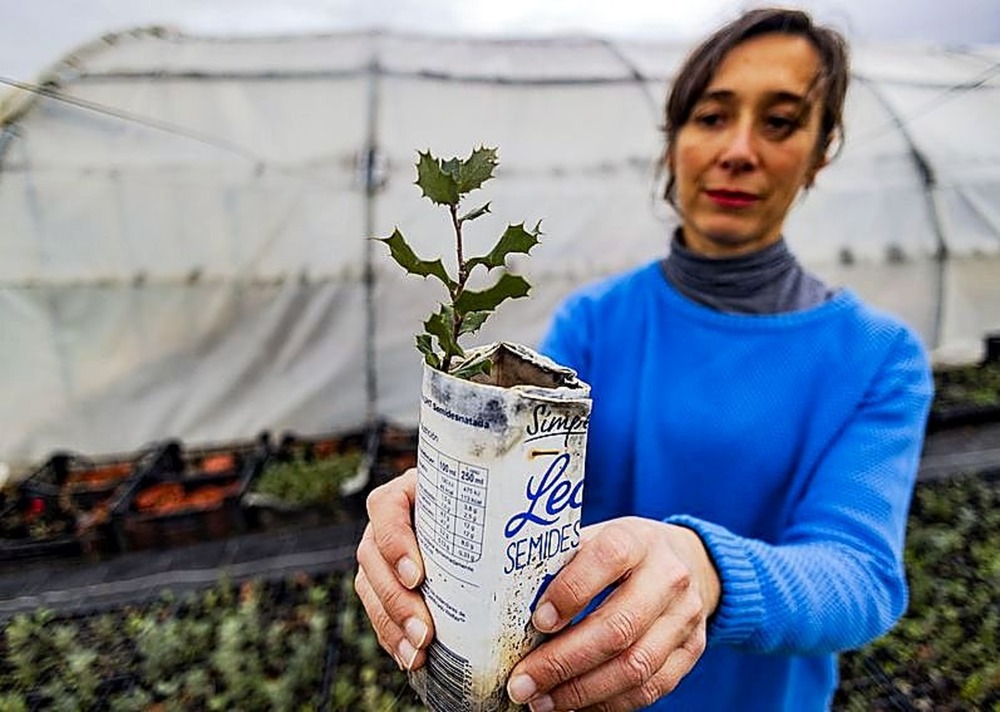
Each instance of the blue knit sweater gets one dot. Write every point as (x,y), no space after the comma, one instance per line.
(789,442)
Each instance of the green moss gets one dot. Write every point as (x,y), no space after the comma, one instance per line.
(944,653)
(250,647)
(967,385)
(308,482)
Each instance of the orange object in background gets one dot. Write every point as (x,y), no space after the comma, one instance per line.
(327,448)
(101,514)
(218,463)
(101,474)
(157,496)
(204,497)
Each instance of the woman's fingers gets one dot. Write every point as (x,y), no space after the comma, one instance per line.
(607,553)
(390,511)
(405,642)
(406,608)
(645,671)
(626,649)
(389,569)
(678,664)
(618,646)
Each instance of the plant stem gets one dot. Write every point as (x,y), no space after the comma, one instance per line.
(463,275)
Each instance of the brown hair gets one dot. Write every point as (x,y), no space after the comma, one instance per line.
(698,69)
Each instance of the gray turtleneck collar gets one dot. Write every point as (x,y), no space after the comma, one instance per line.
(768,281)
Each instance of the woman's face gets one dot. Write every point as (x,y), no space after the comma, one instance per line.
(748,146)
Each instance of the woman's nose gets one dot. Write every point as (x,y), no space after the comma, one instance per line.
(739,153)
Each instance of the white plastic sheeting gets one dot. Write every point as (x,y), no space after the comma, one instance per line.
(184,249)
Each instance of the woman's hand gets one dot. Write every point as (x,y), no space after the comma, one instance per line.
(389,571)
(639,643)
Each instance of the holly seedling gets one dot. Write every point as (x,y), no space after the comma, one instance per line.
(446,183)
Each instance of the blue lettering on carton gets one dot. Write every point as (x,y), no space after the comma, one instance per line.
(545,499)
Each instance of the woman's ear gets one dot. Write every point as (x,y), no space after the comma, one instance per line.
(667,166)
(822,158)
(819,164)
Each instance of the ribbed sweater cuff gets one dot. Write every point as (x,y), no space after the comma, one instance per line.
(741,605)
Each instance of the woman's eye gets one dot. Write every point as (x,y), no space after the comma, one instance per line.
(780,125)
(709,120)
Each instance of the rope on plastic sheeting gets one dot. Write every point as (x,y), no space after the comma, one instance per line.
(51,91)
(929,182)
(371,190)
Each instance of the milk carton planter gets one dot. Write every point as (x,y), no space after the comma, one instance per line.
(500,486)
(500,461)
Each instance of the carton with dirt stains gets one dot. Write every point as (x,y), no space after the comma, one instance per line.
(499,494)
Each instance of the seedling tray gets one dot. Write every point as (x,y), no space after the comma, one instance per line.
(63,507)
(185,497)
(397,451)
(966,395)
(290,489)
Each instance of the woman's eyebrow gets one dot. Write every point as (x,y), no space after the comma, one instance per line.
(790,97)
(722,95)
(774,97)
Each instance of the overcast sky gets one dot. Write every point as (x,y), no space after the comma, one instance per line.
(35,33)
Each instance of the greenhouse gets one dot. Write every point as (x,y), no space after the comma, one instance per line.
(186,218)
(209,364)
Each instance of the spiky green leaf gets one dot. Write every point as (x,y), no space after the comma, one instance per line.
(515,239)
(452,167)
(437,184)
(472,321)
(468,370)
(476,169)
(441,326)
(509,286)
(473,214)
(424,346)
(407,259)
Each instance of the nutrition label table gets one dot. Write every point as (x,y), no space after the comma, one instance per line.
(451,503)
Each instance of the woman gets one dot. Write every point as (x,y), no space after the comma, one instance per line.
(755,435)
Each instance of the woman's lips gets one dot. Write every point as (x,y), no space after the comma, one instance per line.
(731,198)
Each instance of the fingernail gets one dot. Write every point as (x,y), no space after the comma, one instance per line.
(546,617)
(416,631)
(407,653)
(408,572)
(542,704)
(521,688)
